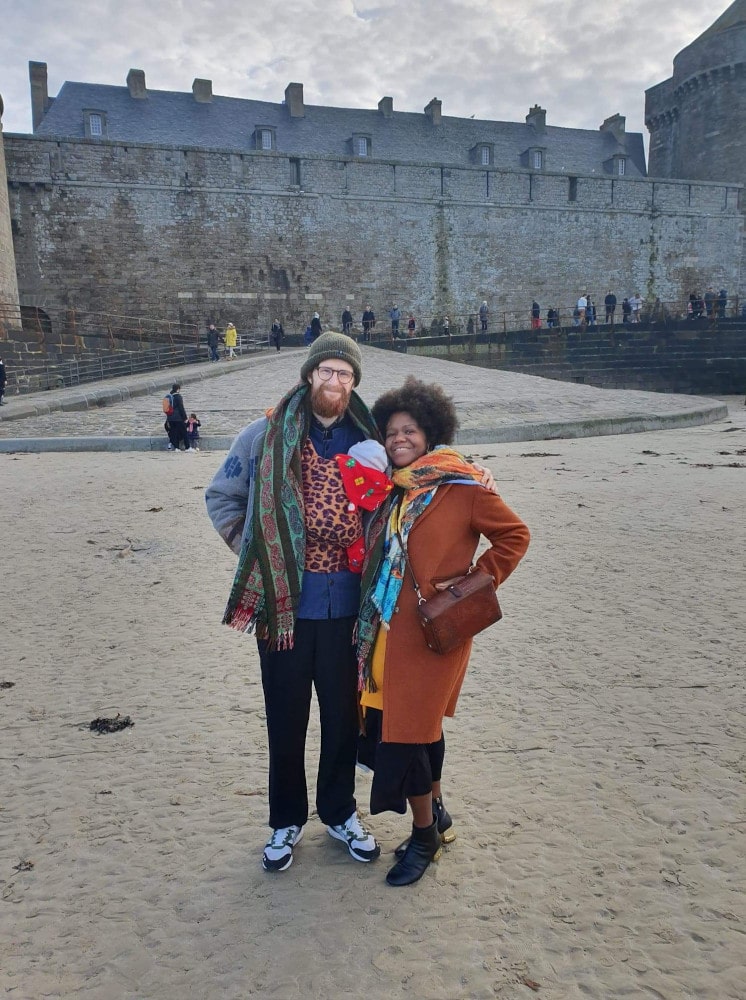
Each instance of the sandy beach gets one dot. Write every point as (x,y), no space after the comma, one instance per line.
(594,769)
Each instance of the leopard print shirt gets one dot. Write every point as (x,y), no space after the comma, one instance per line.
(330,526)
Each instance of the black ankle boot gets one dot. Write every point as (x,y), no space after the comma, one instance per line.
(424,846)
(443,818)
(444,821)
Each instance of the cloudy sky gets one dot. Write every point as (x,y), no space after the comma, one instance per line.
(582,60)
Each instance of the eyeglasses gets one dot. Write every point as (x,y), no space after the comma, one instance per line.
(344,377)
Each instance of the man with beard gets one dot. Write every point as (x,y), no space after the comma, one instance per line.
(279,502)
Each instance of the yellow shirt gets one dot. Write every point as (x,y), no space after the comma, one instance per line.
(374,699)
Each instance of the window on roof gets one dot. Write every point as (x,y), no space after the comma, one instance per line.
(621,164)
(361,145)
(265,138)
(94,124)
(537,159)
(484,155)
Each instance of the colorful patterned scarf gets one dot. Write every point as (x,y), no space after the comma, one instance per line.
(383,573)
(267,585)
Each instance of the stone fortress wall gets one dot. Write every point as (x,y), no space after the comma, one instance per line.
(197,234)
(697,117)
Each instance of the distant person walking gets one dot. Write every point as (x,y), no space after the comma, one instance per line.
(411,325)
(316,329)
(610,304)
(213,338)
(3,380)
(581,307)
(484,314)
(276,334)
(369,323)
(231,339)
(347,322)
(535,315)
(395,317)
(177,420)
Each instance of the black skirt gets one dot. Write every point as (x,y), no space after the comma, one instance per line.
(401,770)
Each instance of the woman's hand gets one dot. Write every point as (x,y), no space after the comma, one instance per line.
(487,480)
(445,584)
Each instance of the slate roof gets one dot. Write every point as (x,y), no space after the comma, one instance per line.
(177,119)
(733,17)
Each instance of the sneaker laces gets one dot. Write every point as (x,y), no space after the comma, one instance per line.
(276,841)
(355,828)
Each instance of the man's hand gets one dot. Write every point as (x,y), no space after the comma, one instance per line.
(487,480)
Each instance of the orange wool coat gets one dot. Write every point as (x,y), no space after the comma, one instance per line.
(420,686)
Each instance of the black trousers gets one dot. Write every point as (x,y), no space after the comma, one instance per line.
(178,433)
(323,656)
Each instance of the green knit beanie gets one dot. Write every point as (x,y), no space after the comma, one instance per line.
(333,345)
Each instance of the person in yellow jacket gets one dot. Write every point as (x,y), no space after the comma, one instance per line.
(231,339)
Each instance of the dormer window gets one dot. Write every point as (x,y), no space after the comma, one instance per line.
(534,158)
(616,165)
(95,124)
(361,145)
(265,138)
(482,154)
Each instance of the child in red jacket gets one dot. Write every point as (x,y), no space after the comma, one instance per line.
(366,484)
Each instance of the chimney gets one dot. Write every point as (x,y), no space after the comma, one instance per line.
(386,106)
(202,90)
(617,125)
(136,84)
(37,74)
(294,100)
(433,110)
(537,117)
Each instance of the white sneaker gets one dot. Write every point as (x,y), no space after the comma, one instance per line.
(361,844)
(278,853)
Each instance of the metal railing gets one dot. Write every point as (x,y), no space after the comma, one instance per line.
(509,321)
(62,374)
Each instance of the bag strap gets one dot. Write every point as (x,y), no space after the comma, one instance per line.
(420,598)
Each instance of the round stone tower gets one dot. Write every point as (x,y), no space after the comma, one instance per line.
(10,313)
(697,118)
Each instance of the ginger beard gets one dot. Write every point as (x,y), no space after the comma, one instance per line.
(330,399)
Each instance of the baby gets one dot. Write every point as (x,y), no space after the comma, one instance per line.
(366,484)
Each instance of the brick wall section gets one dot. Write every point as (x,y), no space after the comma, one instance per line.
(196,234)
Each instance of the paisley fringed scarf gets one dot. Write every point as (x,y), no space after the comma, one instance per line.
(383,572)
(266,588)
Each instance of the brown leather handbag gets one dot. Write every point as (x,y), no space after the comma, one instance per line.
(459,612)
